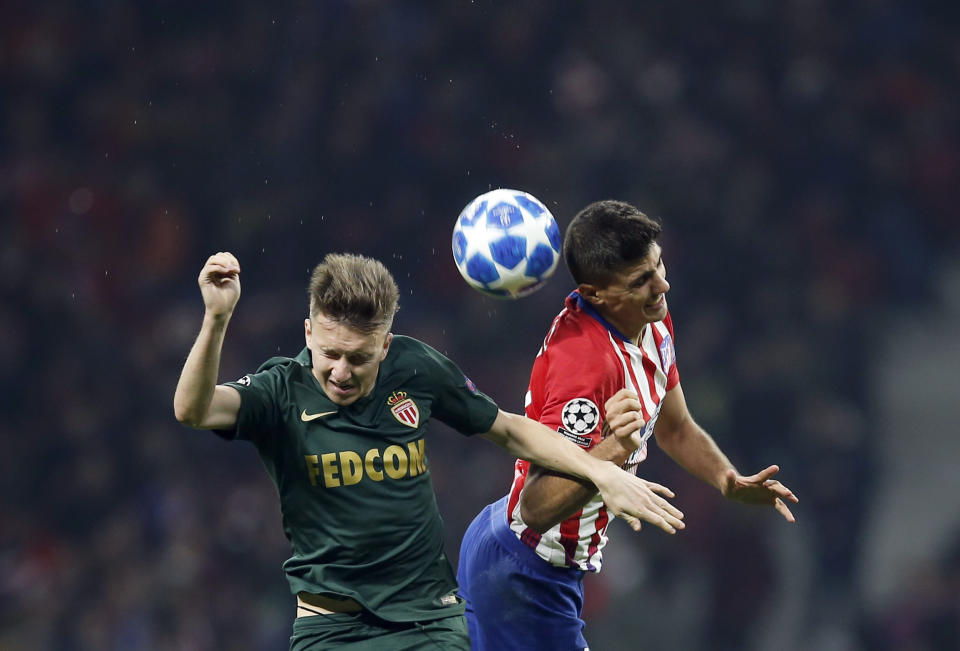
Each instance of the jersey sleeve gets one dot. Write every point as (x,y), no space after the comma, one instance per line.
(259,399)
(457,401)
(570,382)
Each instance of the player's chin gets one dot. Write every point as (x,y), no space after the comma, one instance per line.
(657,311)
(342,396)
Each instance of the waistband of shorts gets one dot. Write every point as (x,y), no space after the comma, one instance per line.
(508,539)
(315,604)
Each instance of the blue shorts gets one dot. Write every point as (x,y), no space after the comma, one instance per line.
(515,599)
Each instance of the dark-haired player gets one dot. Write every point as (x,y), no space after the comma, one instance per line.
(607,364)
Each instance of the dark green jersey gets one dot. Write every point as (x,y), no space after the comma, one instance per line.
(354,483)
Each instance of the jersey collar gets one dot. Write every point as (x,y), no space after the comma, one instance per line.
(304,358)
(584,305)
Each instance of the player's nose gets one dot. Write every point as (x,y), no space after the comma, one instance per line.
(340,371)
(662,286)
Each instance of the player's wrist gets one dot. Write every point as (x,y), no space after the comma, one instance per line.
(605,475)
(626,444)
(725,487)
(217,318)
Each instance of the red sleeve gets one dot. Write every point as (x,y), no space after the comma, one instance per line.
(572,378)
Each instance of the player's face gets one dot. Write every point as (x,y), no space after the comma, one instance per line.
(636,296)
(345,360)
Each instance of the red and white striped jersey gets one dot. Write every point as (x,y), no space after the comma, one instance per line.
(585,360)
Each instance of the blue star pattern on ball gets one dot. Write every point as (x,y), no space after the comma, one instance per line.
(506,243)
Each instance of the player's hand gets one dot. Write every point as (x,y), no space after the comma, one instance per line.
(760,489)
(623,417)
(634,499)
(219,282)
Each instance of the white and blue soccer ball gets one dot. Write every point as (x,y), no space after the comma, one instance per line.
(506,243)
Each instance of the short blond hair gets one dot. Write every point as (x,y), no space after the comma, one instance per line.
(354,290)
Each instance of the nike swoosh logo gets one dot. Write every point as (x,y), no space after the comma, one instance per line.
(305,417)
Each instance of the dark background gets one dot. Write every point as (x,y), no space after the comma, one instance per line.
(803,157)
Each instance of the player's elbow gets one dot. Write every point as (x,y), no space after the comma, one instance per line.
(667,437)
(184,418)
(535,518)
(187,416)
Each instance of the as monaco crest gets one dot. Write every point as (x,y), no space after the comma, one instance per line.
(404,409)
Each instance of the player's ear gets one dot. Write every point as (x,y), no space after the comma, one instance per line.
(306,331)
(590,293)
(386,345)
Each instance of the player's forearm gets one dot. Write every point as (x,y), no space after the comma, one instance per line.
(549,497)
(696,452)
(529,440)
(198,379)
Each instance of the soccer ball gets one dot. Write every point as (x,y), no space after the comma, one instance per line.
(506,243)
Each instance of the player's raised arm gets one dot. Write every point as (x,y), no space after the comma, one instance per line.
(690,446)
(626,496)
(198,401)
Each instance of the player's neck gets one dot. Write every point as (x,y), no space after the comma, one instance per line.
(633,335)
(635,338)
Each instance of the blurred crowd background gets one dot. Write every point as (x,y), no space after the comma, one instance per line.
(803,156)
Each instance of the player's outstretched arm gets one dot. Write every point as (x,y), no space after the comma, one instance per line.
(198,402)
(626,496)
(549,497)
(690,446)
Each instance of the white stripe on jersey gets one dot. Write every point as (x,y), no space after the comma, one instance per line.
(623,362)
(554,553)
(550,546)
(636,359)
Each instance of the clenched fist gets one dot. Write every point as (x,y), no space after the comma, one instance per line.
(219,282)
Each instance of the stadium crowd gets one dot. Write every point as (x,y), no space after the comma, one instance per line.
(803,157)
